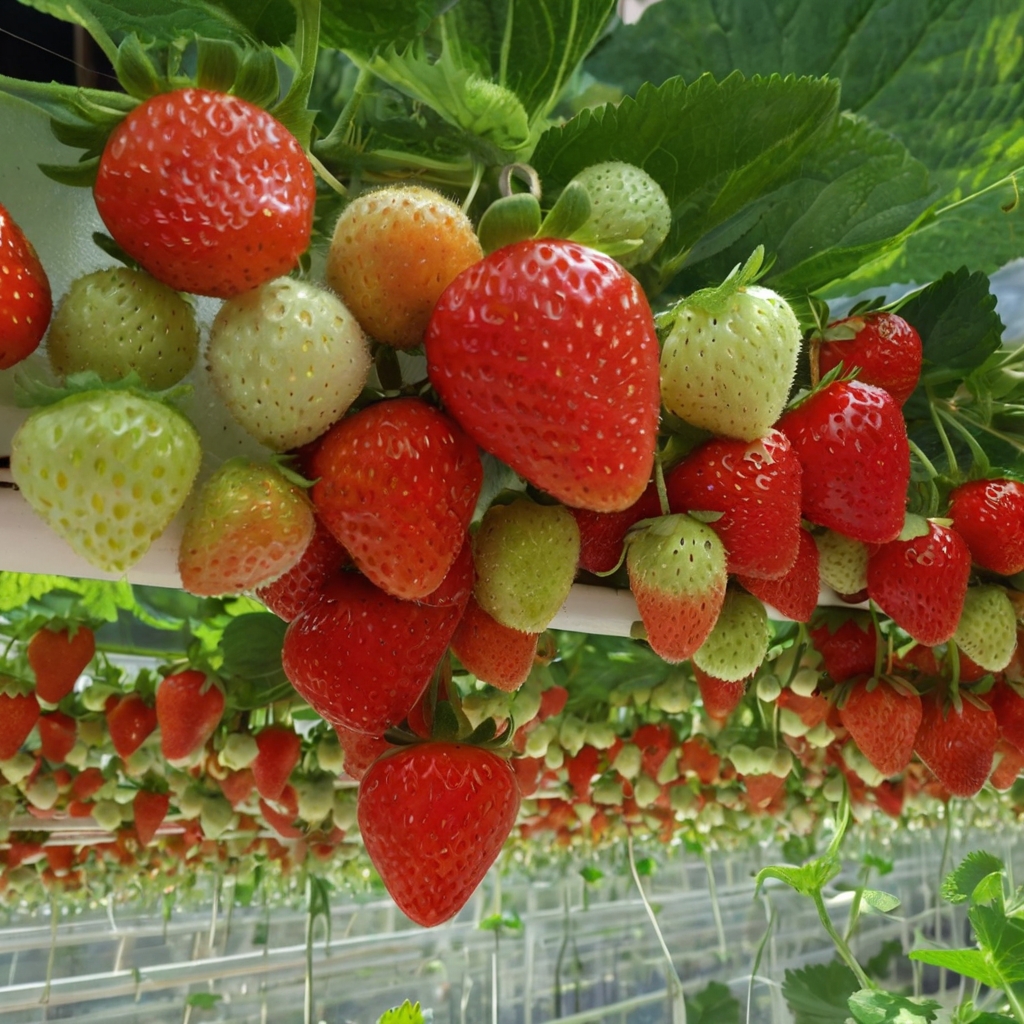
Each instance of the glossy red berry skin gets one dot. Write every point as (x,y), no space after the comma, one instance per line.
(989,515)
(208,192)
(25,300)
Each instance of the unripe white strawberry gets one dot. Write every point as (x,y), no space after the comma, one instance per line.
(525,703)
(190,802)
(673,696)
(108,815)
(216,816)
(842,562)
(554,756)
(730,358)
(791,724)
(820,736)
(764,758)
(537,741)
(584,812)
(768,687)
(42,793)
(344,812)
(669,768)
(628,761)
(315,799)
(572,734)
(742,758)
(987,631)
(738,643)
(859,764)
(600,735)
(288,359)
(140,761)
(805,682)
(684,802)
(782,762)
(607,791)
(329,755)
(239,751)
(18,767)
(78,755)
(93,731)
(834,788)
(646,791)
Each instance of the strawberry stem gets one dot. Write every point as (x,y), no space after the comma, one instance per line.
(977,452)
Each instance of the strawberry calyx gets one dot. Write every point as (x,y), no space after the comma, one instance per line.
(14,686)
(31,392)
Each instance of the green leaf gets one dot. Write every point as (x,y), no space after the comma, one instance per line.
(367,25)
(714,147)
(271,21)
(971,962)
(591,874)
(820,994)
(883,902)
(1001,939)
(881,963)
(959,885)
(252,660)
(407,1013)
(714,1005)
(807,879)
(507,920)
(879,1007)
(203,1000)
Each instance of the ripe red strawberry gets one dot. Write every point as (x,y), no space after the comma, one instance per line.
(279,750)
(282,814)
(851,441)
(209,193)
(545,353)
(150,809)
(761,790)
(19,712)
(434,817)
(57,735)
(883,347)
(249,525)
(494,653)
(361,750)
(883,722)
(552,702)
(1009,764)
(189,706)
(957,747)
(25,300)
(677,573)
(397,484)
(989,515)
(1008,705)
(602,533)
(291,592)
(848,647)
(236,786)
(756,487)
(795,594)
(57,658)
(720,697)
(86,782)
(360,657)
(655,742)
(129,721)
(580,769)
(921,583)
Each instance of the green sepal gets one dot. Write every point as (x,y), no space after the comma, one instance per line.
(509,219)
(257,80)
(571,211)
(136,71)
(714,300)
(80,175)
(284,464)
(913,526)
(30,392)
(113,250)
(446,723)
(14,686)
(218,62)
(89,136)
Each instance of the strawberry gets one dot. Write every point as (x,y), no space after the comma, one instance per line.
(756,487)
(25,300)
(602,533)
(434,817)
(581,769)
(677,572)
(795,594)
(57,735)
(1008,705)
(720,697)
(393,253)
(1009,764)
(189,706)
(730,357)
(525,556)
(86,783)
(237,786)
(360,657)
(847,647)
(291,592)
(989,515)
(107,470)
(207,192)
(248,526)
(842,562)
(288,359)
(57,658)
(129,721)
(987,630)
(883,348)
(883,721)
(120,320)
(626,205)
(761,790)
(736,646)
(361,750)
(397,485)
(654,741)
(279,750)
(852,443)
(492,652)
(957,746)
(283,813)
(921,582)
(545,352)
(19,712)
(150,810)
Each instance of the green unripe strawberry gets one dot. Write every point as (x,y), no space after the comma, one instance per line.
(738,643)
(987,631)
(525,556)
(118,320)
(677,572)
(730,358)
(107,470)
(842,562)
(288,358)
(626,203)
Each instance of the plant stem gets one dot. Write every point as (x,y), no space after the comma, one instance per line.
(844,950)
(716,909)
(338,133)
(954,469)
